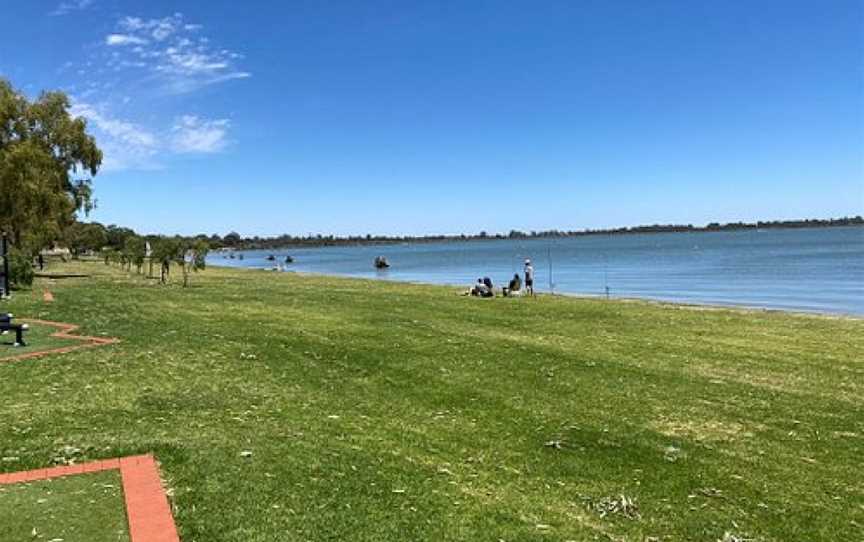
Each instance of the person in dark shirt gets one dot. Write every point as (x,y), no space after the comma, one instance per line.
(529,277)
(515,286)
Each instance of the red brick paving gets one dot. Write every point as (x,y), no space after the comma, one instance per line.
(147,508)
(65,332)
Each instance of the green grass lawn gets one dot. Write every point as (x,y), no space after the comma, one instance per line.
(85,508)
(382,411)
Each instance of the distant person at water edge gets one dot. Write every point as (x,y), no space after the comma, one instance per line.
(515,286)
(529,278)
(488,283)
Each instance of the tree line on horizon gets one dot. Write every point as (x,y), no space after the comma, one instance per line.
(127,247)
(235,241)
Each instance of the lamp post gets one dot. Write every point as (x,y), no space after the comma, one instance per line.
(4,252)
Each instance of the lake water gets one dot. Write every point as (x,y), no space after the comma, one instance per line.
(818,270)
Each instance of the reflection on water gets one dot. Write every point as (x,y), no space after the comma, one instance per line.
(820,269)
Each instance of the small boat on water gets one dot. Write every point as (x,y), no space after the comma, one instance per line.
(289,259)
(271,258)
(381,262)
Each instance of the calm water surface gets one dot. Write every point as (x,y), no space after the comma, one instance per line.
(820,270)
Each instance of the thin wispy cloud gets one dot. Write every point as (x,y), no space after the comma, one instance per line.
(127,145)
(70,6)
(196,135)
(173,51)
(124,39)
(124,144)
(123,84)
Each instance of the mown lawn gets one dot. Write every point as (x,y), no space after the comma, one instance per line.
(380,411)
(83,508)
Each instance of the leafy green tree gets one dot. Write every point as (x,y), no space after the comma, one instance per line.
(192,257)
(190,254)
(109,254)
(42,151)
(134,251)
(117,236)
(165,251)
(80,237)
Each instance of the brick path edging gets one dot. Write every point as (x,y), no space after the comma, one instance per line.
(65,332)
(147,509)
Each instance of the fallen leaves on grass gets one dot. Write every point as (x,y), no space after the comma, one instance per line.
(710,492)
(621,505)
(729,537)
(671,454)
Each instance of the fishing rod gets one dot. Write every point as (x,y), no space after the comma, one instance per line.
(606,274)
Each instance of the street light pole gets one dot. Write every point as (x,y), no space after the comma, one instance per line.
(5,254)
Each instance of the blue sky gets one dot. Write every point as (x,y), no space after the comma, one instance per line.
(402,117)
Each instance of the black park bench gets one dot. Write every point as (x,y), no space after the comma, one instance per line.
(6,325)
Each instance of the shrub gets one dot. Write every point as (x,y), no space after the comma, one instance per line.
(21,271)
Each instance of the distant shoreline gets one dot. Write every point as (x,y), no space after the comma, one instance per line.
(284,242)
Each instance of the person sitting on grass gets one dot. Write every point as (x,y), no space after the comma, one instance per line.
(515,286)
(481,288)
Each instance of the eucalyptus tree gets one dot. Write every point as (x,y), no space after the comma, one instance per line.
(47,161)
(117,235)
(82,237)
